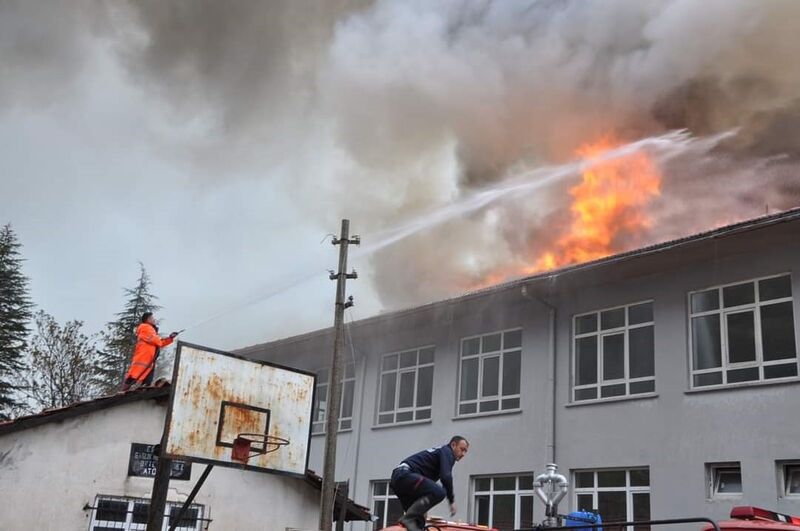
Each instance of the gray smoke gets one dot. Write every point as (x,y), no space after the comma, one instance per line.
(381,110)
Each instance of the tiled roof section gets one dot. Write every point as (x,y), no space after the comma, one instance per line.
(354,510)
(720,232)
(159,390)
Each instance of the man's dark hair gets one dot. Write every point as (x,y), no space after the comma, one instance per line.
(146,316)
(457,439)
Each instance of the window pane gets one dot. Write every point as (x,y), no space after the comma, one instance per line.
(379,488)
(710,378)
(526,482)
(585,502)
(792,478)
(405,416)
(390,362)
(469,378)
(613,357)
(140,513)
(350,370)
(426,356)
(491,376)
(612,506)
(612,318)
(322,376)
(505,483)
(503,515)
(322,403)
(491,405)
(642,352)
(612,390)
(386,418)
(395,511)
(611,478)
(647,386)
(729,481)
(586,360)
(705,301)
(472,346)
(586,394)
(640,313)
(482,510)
(777,331)
(741,337)
(425,387)
(584,480)
(511,373)
(706,349)
(490,343)
(641,507)
(483,484)
(743,375)
(347,399)
(780,371)
(377,510)
(406,398)
(738,295)
(388,389)
(512,339)
(510,403)
(466,409)
(586,324)
(526,512)
(775,288)
(408,359)
(422,414)
(640,477)
(189,518)
(112,511)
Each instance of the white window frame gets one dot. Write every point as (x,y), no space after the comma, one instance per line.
(129,525)
(386,498)
(786,470)
(714,473)
(600,333)
(345,421)
(414,410)
(518,493)
(482,356)
(723,313)
(629,489)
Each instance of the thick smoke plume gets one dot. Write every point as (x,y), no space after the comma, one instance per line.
(381,110)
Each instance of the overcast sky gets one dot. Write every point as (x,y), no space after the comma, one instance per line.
(219,145)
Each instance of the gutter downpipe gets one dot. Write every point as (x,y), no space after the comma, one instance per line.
(551,376)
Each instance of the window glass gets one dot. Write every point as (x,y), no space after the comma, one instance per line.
(586,323)
(348,391)
(512,339)
(741,337)
(425,387)
(642,352)
(640,477)
(504,509)
(426,355)
(612,506)
(705,301)
(728,481)
(390,362)
(505,483)
(613,356)
(738,295)
(112,511)
(491,376)
(611,478)
(584,479)
(640,313)
(791,476)
(388,390)
(777,331)
(490,343)
(612,318)
(408,359)
(472,346)
(775,288)
(511,373)
(407,386)
(482,509)
(706,348)
(406,397)
(469,379)
(492,373)
(586,360)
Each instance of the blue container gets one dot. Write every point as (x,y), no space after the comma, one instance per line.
(579,518)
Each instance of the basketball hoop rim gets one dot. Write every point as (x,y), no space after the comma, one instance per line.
(269,441)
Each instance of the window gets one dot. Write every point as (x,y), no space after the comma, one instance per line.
(743,332)
(724,479)
(385,505)
(406,386)
(490,372)
(618,495)
(614,352)
(321,399)
(790,478)
(503,502)
(130,514)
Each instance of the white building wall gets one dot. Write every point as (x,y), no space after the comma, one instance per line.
(50,472)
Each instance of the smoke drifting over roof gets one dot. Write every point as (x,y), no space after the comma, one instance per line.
(379,110)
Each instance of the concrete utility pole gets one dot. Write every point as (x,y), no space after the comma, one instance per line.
(158,499)
(335,384)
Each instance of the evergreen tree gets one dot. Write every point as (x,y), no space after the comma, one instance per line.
(60,362)
(119,336)
(15,316)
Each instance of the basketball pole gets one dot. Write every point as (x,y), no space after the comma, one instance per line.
(335,387)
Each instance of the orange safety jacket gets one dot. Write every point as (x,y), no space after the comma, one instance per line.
(144,355)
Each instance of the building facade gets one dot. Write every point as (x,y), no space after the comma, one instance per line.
(663,382)
(88,467)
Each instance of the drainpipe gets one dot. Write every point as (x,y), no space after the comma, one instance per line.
(550,406)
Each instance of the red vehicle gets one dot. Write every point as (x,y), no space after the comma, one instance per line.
(743,518)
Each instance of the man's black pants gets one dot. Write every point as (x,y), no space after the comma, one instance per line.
(409,486)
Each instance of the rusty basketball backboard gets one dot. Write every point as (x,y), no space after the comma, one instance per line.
(216,397)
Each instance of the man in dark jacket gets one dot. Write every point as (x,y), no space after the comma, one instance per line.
(414,481)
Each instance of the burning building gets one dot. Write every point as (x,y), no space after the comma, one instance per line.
(663,380)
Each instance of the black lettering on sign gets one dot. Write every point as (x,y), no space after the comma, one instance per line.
(142,463)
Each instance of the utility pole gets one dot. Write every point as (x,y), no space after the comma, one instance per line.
(335,384)
(158,498)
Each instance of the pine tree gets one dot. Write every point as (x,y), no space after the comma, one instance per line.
(15,316)
(119,335)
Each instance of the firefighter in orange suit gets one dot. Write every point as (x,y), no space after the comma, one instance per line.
(148,344)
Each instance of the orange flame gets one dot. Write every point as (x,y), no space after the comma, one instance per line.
(608,204)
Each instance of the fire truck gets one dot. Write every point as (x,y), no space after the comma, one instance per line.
(742,518)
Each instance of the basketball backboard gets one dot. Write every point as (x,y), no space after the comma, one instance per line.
(217,397)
